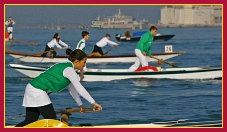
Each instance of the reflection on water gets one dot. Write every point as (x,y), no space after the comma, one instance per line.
(144,82)
(144,86)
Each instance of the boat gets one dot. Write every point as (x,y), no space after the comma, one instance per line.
(59,124)
(93,75)
(44,123)
(65,118)
(119,20)
(137,38)
(65,114)
(24,57)
(20,41)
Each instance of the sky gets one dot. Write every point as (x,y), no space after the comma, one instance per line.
(32,15)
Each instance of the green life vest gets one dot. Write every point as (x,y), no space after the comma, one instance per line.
(52,79)
(145,42)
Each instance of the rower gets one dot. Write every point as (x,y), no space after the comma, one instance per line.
(97,51)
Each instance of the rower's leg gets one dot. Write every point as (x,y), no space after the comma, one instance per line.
(47,111)
(32,115)
(135,65)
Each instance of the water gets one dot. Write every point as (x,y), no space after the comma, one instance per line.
(133,100)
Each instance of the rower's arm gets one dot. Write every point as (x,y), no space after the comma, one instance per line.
(111,42)
(74,94)
(56,44)
(62,43)
(71,74)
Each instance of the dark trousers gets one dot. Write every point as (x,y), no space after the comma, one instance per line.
(32,114)
(53,52)
(98,49)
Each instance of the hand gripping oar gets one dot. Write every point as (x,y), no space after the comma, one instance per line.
(68,111)
(161,60)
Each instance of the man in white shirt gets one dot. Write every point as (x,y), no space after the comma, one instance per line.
(103,42)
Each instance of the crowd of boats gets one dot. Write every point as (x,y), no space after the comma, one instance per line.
(94,75)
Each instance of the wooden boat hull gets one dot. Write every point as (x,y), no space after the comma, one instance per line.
(93,75)
(21,41)
(102,59)
(137,38)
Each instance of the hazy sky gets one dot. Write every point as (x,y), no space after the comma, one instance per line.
(76,15)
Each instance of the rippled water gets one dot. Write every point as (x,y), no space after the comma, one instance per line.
(133,100)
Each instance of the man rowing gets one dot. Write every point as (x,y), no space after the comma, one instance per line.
(97,51)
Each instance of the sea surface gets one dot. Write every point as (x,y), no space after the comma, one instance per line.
(130,101)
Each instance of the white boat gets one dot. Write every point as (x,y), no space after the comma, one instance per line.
(118,74)
(96,59)
(43,123)
(65,118)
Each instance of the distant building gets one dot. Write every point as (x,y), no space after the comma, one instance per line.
(118,21)
(187,15)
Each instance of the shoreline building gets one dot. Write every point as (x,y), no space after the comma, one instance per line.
(191,15)
(118,21)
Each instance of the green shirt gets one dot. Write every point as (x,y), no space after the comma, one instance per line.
(52,79)
(145,42)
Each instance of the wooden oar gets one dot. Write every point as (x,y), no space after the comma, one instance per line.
(40,53)
(107,52)
(71,110)
(67,110)
(25,42)
(161,60)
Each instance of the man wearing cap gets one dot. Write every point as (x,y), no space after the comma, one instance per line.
(9,25)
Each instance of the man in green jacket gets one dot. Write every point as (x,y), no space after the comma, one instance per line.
(143,48)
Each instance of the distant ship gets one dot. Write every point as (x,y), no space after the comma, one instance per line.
(118,21)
